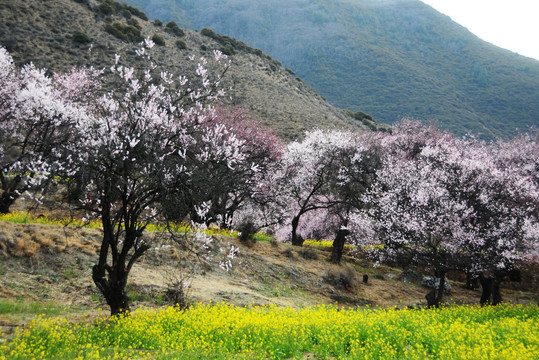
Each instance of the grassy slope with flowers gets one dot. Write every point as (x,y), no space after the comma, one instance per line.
(227,331)
(324,332)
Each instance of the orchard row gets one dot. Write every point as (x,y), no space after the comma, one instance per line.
(137,146)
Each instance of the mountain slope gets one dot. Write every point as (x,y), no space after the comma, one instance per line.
(62,33)
(389,58)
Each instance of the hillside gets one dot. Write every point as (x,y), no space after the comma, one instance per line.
(389,58)
(47,269)
(63,33)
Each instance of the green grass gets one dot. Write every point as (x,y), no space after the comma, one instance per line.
(325,332)
(22,307)
(262,236)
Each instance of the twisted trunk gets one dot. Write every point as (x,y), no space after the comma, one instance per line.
(297,240)
(338,245)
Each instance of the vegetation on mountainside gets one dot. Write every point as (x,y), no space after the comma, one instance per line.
(124,32)
(47,34)
(390,59)
(111,7)
(230,45)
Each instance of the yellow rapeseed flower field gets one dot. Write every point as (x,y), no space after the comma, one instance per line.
(222,331)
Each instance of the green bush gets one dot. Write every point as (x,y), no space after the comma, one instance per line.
(136,12)
(158,22)
(227,49)
(173,28)
(81,38)
(209,33)
(124,32)
(258,52)
(107,9)
(180,44)
(360,115)
(229,45)
(134,22)
(110,7)
(158,40)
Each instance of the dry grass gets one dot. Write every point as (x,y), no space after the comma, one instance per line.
(26,240)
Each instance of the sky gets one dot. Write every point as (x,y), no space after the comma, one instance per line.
(510,24)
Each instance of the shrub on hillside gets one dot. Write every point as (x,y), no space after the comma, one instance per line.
(209,33)
(81,38)
(342,278)
(227,49)
(247,231)
(134,22)
(124,32)
(180,44)
(111,7)
(106,8)
(158,22)
(173,28)
(136,12)
(158,40)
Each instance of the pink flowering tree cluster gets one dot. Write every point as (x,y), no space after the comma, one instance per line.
(134,157)
(452,204)
(320,181)
(304,176)
(227,187)
(36,115)
(415,196)
(133,146)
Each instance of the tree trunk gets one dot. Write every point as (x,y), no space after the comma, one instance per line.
(9,194)
(471,281)
(431,299)
(111,280)
(486,286)
(114,291)
(441,288)
(338,245)
(496,293)
(435,297)
(297,240)
(6,200)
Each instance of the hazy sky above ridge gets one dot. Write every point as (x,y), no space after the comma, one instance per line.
(512,25)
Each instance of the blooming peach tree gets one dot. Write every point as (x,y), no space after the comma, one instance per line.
(228,187)
(304,176)
(36,114)
(451,204)
(131,160)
